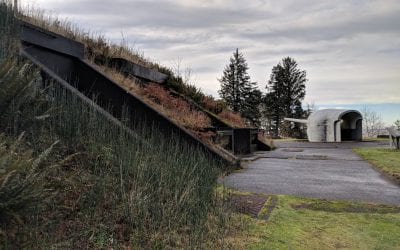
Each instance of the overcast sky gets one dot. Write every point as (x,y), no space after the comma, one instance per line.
(349,48)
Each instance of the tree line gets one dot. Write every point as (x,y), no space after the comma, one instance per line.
(283,97)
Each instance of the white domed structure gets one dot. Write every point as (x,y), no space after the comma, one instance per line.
(333,125)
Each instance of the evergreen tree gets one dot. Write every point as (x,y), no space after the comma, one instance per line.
(238,91)
(251,106)
(286,91)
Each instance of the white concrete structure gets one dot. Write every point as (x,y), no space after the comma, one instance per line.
(333,125)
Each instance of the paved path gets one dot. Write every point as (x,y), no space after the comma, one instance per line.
(319,170)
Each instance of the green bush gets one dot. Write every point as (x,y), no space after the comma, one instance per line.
(8,31)
(177,84)
(22,102)
(21,179)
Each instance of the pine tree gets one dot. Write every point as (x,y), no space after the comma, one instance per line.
(286,91)
(251,106)
(238,91)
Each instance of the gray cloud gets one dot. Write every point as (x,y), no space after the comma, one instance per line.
(171,14)
(374,24)
(390,51)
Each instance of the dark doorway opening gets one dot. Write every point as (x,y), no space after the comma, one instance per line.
(351,127)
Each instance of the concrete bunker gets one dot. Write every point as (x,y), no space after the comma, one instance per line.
(333,125)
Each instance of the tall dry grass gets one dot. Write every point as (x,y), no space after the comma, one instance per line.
(158,187)
(111,188)
(96,45)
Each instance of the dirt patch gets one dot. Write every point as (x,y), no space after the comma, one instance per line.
(339,207)
(248,204)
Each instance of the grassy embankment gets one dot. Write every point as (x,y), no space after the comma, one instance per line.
(298,223)
(71,178)
(194,117)
(386,160)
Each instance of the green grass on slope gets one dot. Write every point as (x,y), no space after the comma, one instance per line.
(75,179)
(110,188)
(298,223)
(388,160)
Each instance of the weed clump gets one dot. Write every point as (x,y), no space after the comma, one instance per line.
(177,108)
(22,175)
(233,118)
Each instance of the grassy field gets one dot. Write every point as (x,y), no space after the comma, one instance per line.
(387,160)
(298,223)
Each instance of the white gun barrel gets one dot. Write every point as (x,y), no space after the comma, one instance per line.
(296,120)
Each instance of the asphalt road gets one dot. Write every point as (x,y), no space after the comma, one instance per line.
(316,170)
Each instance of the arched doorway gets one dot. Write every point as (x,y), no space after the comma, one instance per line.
(351,126)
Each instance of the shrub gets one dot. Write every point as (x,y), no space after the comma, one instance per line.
(177,108)
(215,106)
(21,179)
(23,107)
(233,118)
(22,103)
(177,84)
